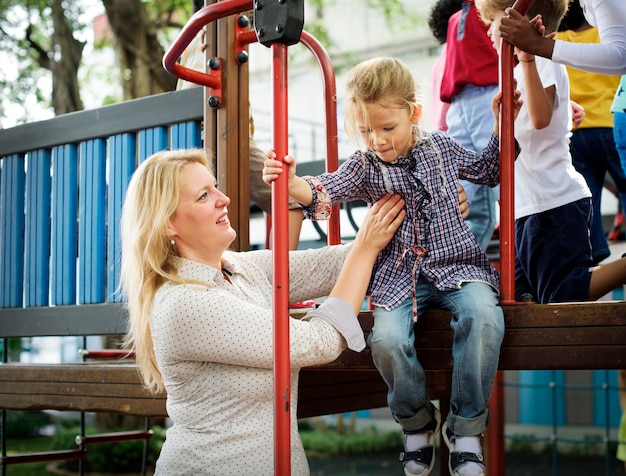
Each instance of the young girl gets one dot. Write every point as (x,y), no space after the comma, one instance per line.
(552,200)
(433,261)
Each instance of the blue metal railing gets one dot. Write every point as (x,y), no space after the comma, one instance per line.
(61,196)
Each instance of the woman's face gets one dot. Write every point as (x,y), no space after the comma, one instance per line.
(200,225)
(389,131)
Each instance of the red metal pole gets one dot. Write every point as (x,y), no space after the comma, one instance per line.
(497,461)
(507,167)
(117,354)
(280,246)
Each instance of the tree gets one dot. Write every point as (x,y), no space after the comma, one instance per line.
(40,35)
(39,38)
(135,26)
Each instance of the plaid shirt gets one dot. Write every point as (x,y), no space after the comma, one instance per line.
(433,241)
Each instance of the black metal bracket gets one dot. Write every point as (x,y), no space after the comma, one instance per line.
(278,21)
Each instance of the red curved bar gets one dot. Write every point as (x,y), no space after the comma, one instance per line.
(330,95)
(198,20)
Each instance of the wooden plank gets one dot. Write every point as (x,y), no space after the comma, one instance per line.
(186,135)
(85,386)
(322,392)
(154,407)
(82,372)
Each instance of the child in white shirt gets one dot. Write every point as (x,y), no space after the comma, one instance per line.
(553,209)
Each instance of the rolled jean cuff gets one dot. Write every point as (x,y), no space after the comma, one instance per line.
(339,314)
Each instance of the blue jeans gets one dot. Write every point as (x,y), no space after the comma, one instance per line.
(470,121)
(478,325)
(593,155)
(482,217)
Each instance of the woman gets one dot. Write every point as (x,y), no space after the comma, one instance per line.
(201,316)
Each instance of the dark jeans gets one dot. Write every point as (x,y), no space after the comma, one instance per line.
(594,154)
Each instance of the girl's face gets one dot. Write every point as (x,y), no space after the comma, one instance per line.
(200,225)
(493,19)
(389,131)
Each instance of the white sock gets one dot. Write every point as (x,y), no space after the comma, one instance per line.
(469,444)
(415,442)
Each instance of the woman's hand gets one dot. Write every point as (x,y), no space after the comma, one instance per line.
(377,229)
(464,204)
(380,224)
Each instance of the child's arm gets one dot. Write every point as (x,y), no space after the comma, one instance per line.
(299,189)
(496,103)
(539,100)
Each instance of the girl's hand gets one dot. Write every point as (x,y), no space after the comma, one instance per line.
(273,167)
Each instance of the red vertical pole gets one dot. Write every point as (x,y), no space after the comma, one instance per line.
(497,462)
(507,184)
(280,246)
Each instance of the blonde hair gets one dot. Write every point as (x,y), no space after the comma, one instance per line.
(385,81)
(552,11)
(147,254)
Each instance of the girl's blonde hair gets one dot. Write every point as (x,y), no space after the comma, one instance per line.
(552,11)
(384,80)
(147,254)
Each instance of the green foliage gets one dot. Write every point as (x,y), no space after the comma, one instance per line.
(15,347)
(25,424)
(125,456)
(330,443)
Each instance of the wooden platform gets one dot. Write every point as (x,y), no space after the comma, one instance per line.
(563,336)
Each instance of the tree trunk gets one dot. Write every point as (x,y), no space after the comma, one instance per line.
(140,54)
(62,61)
(66,93)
